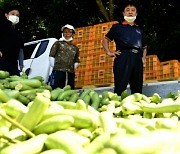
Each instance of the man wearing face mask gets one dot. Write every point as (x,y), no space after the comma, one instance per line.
(64,58)
(11,45)
(130,52)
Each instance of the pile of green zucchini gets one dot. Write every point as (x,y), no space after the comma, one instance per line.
(34,119)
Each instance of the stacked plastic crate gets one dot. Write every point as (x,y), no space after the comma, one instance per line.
(95,67)
(155,70)
(169,70)
(151,68)
(83,39)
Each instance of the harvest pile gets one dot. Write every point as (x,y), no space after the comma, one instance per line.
(34,119)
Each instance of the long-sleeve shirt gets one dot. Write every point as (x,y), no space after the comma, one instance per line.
(10,42)
(65,54)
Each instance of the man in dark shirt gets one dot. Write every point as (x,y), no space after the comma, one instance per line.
(130,52)
(10,42)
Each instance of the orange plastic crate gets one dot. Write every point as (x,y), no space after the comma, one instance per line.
(83,33)
(151,75)
(93,46)
(100,30)
(92,32)
(101,59)
(82,78)
(169,70)
(84,47)
(151,69)
(97,46)
(102,77)
(85,62)
(152,63)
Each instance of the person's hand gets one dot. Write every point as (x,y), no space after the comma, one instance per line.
(113,54)
(21,68)
(1,54)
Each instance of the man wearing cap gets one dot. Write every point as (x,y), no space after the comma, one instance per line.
(64,58)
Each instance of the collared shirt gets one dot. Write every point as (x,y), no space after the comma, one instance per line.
(65,55)
(127,36)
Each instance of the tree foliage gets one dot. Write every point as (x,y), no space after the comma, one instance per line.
(159,19)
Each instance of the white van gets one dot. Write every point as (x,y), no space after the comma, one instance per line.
(36,58)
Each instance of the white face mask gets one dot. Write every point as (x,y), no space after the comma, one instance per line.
(64,39)
(129,19)
(13,19)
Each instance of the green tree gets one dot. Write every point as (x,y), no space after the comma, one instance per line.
(159,19)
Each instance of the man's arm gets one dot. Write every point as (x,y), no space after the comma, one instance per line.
(144,54)
(52,54)
(105,44)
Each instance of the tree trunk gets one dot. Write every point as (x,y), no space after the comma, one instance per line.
(103,10)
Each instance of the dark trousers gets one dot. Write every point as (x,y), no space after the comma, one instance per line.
(12,68)
(128,69)
(58,79)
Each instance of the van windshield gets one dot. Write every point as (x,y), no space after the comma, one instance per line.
(42,48)
(29,49)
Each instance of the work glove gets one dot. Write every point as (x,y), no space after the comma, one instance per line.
(51,61)
(76,65)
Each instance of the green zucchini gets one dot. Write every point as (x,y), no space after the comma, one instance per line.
(108,123)
(3,96)
(86,99)
(55,93)
(95,100)
(53,124)
(74,97)
(29,82)
(81,105)
(13,108)
(21,86)
(60,140)
(31,96)
(68,87)
(66,104)
(23,99)
(54,151)
(12,93)
(65,94)
(82,119)
(31,146)
(84,93)
(36,111)
(4,74)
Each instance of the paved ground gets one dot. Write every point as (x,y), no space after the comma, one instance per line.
(162,88)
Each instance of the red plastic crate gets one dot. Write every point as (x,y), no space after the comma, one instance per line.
(169,70)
